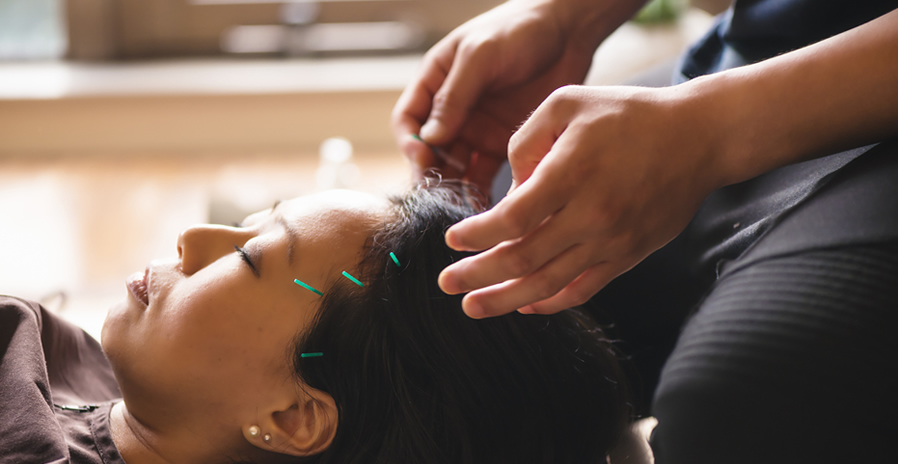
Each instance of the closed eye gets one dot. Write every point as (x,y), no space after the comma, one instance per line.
(243,254)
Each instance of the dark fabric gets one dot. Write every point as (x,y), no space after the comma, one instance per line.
(754,30)
(648,323)
(792,346)
(648,305)
(790,359)
(56,390)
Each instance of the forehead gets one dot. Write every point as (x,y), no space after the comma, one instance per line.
(331,209)
(325,231)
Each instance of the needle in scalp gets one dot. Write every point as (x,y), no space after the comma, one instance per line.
(442,155)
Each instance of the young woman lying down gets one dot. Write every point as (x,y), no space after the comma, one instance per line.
(313,332)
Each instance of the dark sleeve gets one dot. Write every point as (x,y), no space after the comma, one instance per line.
(29,431)
(791,359)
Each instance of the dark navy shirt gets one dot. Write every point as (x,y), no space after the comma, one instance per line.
(754,30)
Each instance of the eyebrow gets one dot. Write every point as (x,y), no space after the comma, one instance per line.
(291,234)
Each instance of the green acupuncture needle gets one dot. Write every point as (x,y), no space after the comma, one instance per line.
(306,286)
(442,155)
(357,282)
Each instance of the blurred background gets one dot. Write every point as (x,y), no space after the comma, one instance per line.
(124,121)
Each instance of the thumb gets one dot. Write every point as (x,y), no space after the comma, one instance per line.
(453,101)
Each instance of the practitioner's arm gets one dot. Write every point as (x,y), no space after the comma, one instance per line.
(481,81)
(607,175)
(837,94)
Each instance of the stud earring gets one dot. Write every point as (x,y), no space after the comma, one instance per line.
(254,431)
(266,438)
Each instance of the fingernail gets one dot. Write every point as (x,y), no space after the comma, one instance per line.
(430,130)
(526,310)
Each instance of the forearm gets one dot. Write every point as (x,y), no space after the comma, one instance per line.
(837,94)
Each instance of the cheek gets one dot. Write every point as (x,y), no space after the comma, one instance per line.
(223,334)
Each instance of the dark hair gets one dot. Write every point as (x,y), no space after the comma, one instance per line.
(417,381)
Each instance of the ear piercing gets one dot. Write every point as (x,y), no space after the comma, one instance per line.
(254,432)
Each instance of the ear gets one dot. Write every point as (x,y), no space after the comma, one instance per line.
(302,427)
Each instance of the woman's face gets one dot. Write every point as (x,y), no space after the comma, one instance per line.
(212,328)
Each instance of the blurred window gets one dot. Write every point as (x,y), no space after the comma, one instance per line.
(31,30)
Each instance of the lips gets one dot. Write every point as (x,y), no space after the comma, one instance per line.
(137,284)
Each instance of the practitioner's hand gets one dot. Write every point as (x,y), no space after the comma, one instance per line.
(483,79)
(607,175)
(603,176)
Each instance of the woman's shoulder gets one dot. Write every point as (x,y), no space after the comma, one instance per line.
(15,311)
(46,364)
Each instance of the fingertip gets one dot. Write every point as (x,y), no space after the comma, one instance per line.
(448,283)
(433,131)
(453,240)
(419,157)
(473,309)
(527,310)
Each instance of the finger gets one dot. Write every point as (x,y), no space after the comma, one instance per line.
(530,144)
(420,157)
(486,134)
(513,217)
(453,101)
(482,172)
(414,104)
(543,284)
(577,292)
(453,163)
(488,137)
(548,189)
(515,258)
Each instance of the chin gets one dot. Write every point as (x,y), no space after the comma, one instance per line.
(115,326)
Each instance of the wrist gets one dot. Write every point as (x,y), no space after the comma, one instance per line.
(588,22)
(698,133)
(745,132)
(831,96)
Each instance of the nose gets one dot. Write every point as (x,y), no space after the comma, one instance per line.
(201,245)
